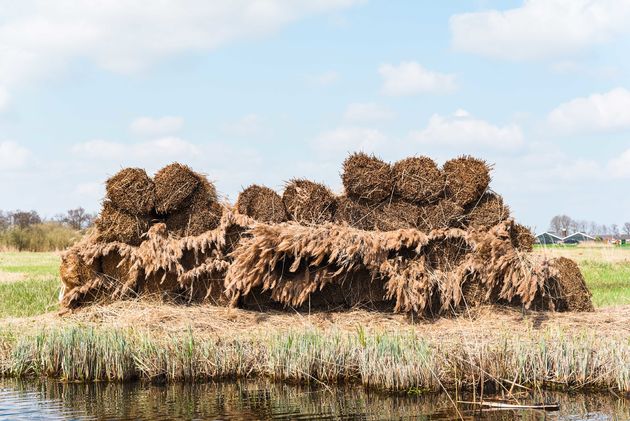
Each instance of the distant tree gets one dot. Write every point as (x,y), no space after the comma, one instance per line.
(78,219)
(614,230)
(24,219)
(5,221)
(626,228)
(562,225)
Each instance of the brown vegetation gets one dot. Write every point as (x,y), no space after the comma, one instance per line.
(395,249)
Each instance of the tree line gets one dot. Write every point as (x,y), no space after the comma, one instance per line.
(565,225)
(28,231)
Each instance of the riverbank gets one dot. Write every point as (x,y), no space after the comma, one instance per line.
(501,348)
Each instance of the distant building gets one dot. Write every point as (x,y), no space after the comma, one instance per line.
(548,238)
(576,238)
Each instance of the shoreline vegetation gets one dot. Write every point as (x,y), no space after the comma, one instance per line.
(504,349)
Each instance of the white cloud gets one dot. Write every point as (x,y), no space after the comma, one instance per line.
(166,148)
(325,79)
(540,28)
(39,37)
(12,155)
(157,126)
(411,78)
(597,112)
(248,125)
(4,98)
(463,130)
(620,167)
(348,139)
(367,112)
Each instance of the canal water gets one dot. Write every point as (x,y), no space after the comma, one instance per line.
(50,400)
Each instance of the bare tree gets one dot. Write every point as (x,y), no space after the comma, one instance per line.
(25,219)
(78,219)
(626,228)
(5,221)
(562,225)
(614,230)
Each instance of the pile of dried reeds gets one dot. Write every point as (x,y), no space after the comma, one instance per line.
(408,237)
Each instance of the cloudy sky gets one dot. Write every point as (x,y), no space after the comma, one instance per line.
(264,90)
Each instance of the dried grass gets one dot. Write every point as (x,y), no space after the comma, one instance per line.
(262,204)
(367,179)
(488,211)
(309,202)
(354,214)
(418,179)
(115,225)
(173,185)
(203,213)
(467,178)
(443,214)
(132,191)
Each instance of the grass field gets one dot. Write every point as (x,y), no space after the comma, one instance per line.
(29,282)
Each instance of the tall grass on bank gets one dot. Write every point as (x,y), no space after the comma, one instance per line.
(48,236)
(387,361)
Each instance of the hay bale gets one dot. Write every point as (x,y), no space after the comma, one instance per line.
(74,271)
(367,178)
(203,213)
(488,211)
(309,202)
(467,178)
(418,179)
(396,215)
(354,214)
(443,214)
(569,292)
(132,191)
(114,224)
(262,204)
(174,184)
(522,238)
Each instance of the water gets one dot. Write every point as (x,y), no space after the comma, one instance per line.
(51,400)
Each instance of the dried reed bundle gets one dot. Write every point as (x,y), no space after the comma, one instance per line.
(418,179)
(173,185)
(467,178)
(309,202)
(262,204)
(115,225)
(367,178)
(442,214)
(354,214)
(488,211)
(132,191)
(203,213)
(567,286)
(396,215)
(522,238)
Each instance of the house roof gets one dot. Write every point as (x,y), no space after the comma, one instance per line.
(575,234)
(550,234)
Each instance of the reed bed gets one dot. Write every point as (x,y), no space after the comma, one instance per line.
(376,359)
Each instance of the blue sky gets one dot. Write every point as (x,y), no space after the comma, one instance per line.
(261,91)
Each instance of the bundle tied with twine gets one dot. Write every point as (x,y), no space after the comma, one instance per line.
(309,202)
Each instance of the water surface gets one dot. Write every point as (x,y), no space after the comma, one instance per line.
(52,400)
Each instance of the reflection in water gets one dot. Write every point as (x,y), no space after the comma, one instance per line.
(264,400)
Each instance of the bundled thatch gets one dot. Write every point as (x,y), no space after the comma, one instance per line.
(173,186)
(467,178)
(354,214)
(443,214)
(418,179)
(132,190)
(397,215)
(203,213)
(262,204)
(522,238)
(367,178)
(568,287)
(309,202)
(114,224)
(488,211)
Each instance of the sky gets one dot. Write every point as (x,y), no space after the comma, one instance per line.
(261,91)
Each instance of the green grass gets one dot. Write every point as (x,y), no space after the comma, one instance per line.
(609,282)
(37,292)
